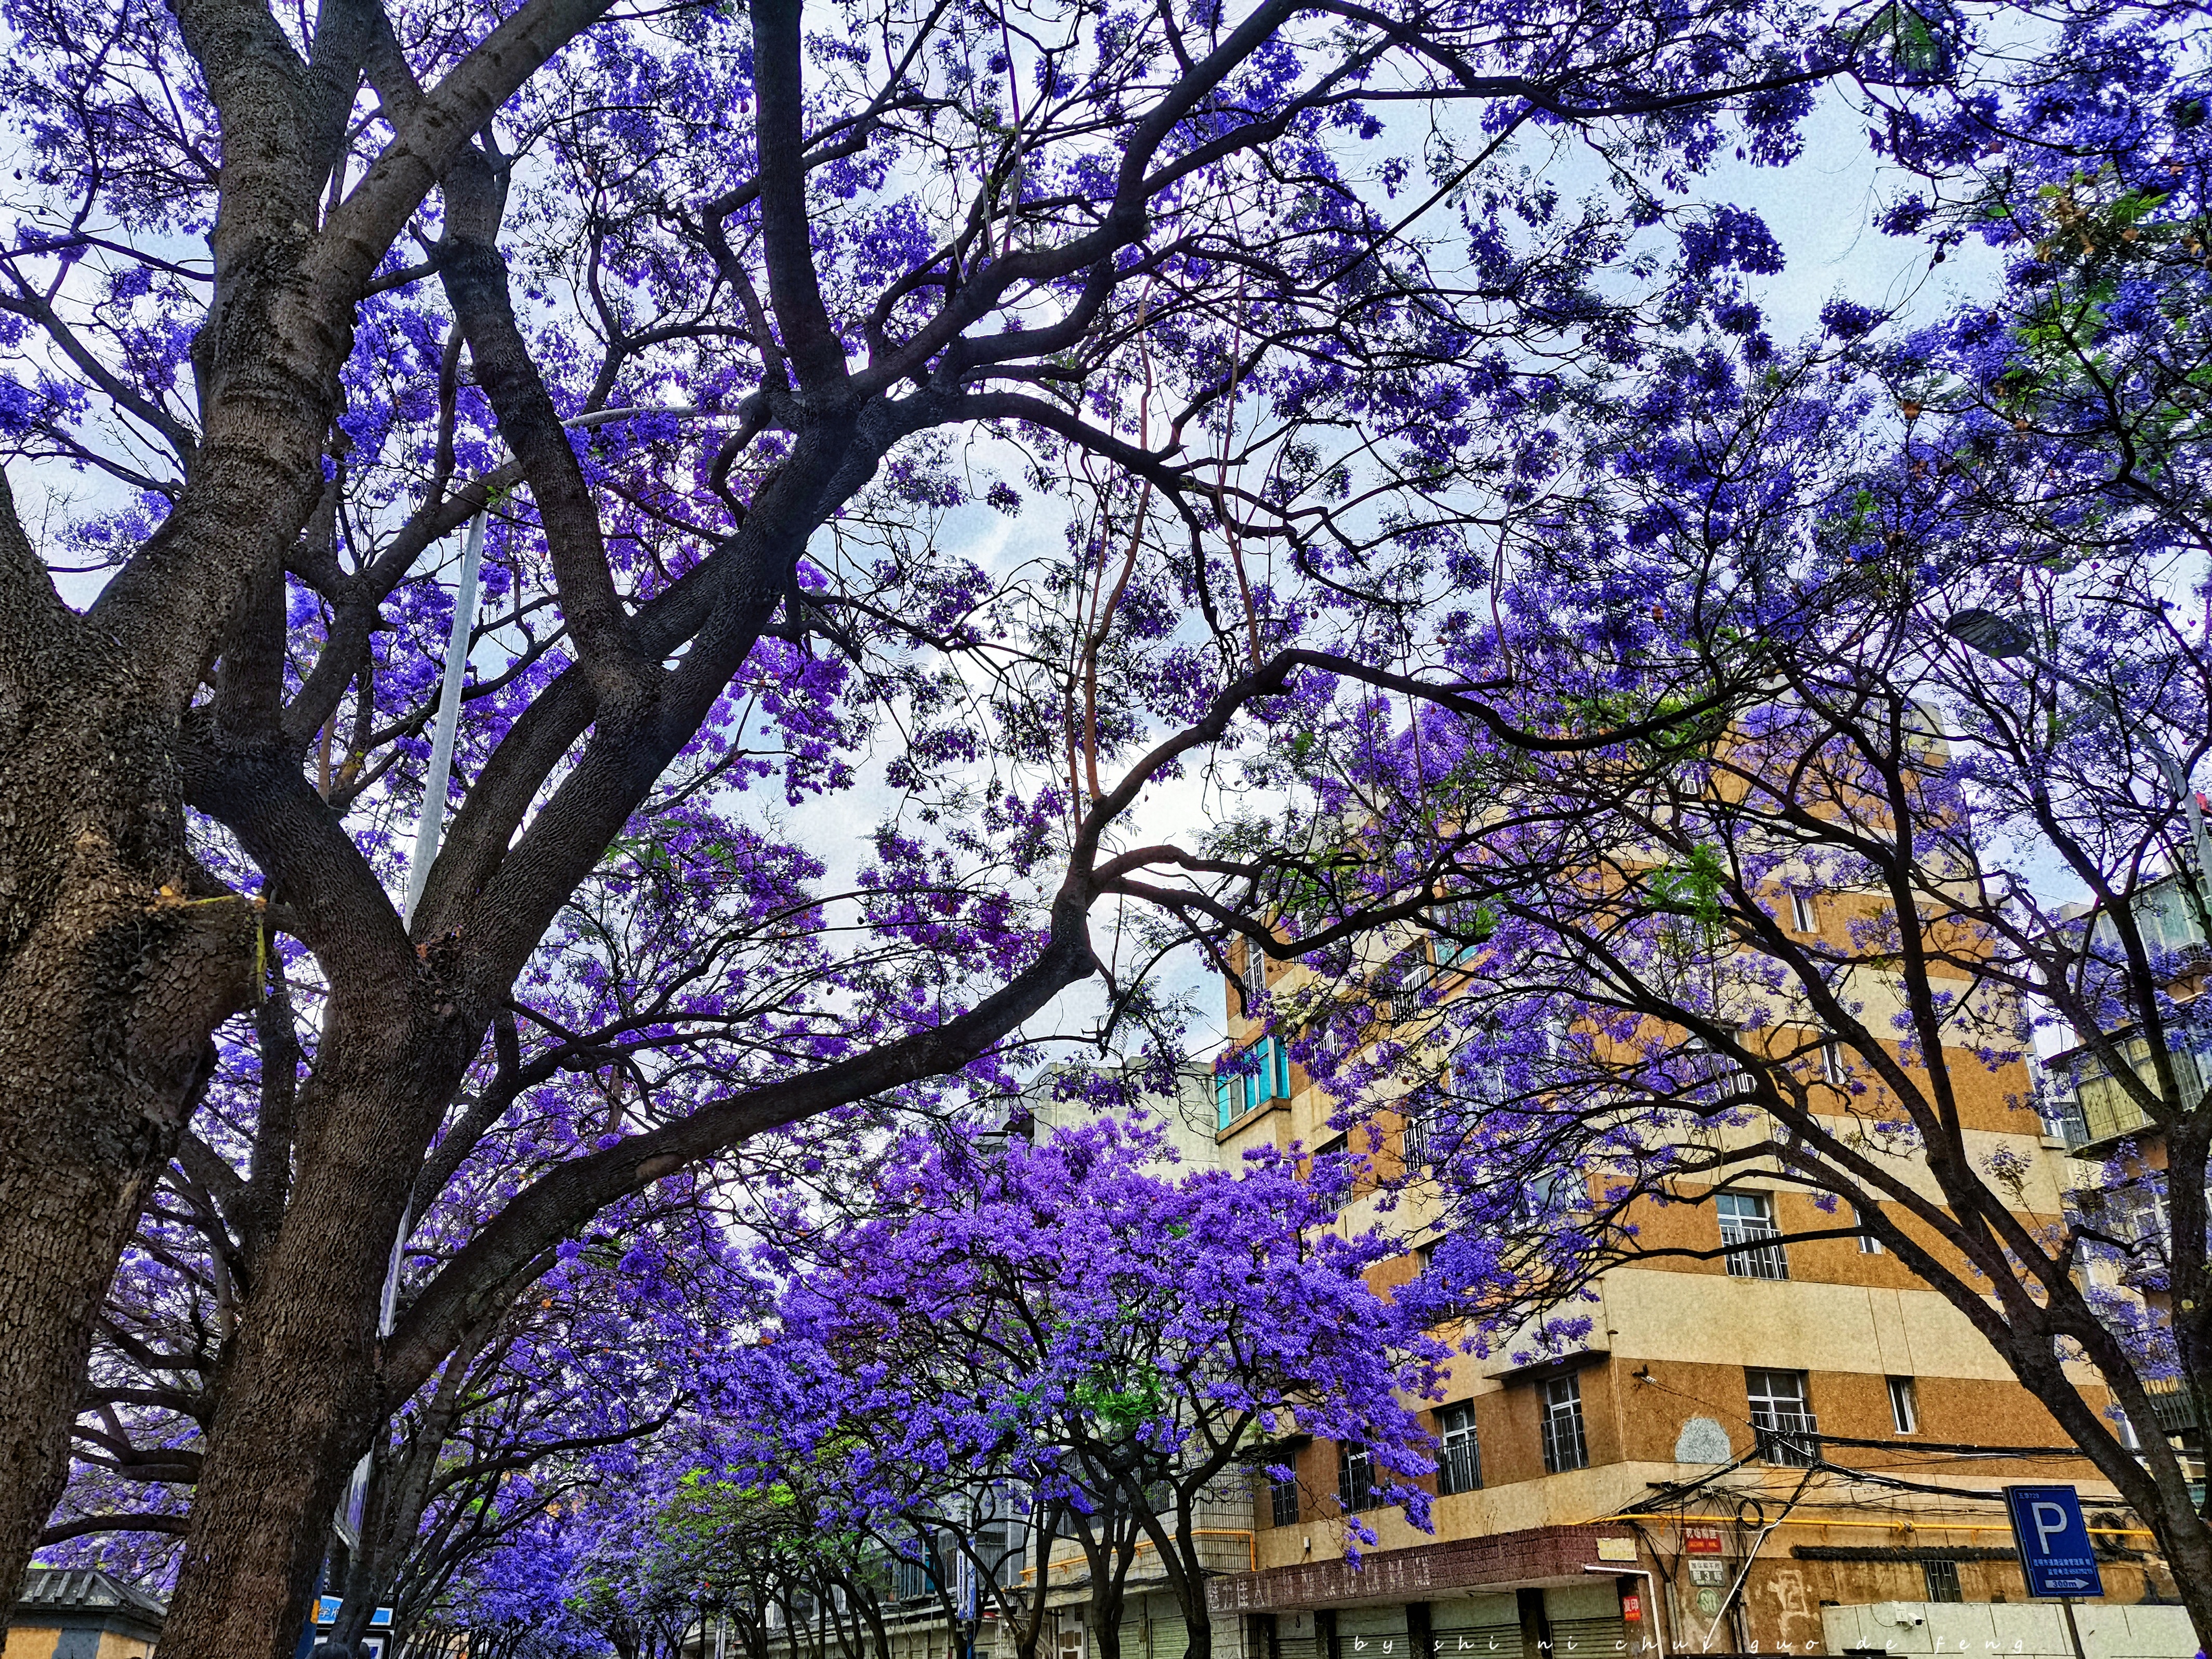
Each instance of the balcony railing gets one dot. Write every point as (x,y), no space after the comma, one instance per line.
(2176,1407)
(1459,1468)
(1789,1438)
(1761,1262)
(1713,1079)
(1565,1448)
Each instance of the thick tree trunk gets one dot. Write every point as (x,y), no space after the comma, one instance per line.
(2186,1542)
(116,960)
(300,1399)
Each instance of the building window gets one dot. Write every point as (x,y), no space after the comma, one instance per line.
(1868,1244)
(914,1577)
(1236,1092)
(1355,1477)
(1283,1499)
(1415,1144)
(1904,1408)
(1564,1447)
(1833,1071)
(1942,1580)
(1807,919)
(1551,1197)
(1710,1077)
(1405,1003)
(1781,1418)
(1469,922)
(1746,1218)
(1459,1459)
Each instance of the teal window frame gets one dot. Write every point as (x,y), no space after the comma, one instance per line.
(1237,1094)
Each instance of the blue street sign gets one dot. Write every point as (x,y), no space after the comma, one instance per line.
(2054,1541)
(326,1612)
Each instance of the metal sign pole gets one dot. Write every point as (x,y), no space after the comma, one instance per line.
(2073,1629)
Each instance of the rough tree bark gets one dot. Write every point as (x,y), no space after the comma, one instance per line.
(116,960)
(118,957)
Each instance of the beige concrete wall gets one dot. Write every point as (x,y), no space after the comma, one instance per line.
(2108,1632)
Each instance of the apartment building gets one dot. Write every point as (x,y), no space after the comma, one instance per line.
(2117,1173)
(1797,1448)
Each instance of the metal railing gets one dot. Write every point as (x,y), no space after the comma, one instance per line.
(1714,1079)
(1789,1438)
(1565,1448)
(1355,1479)
(1761,1262)
(1459,1467)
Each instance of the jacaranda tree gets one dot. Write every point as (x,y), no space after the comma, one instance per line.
(1110,1338)
(1804,934)
(714,315)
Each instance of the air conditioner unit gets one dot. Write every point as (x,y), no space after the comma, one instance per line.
(1898,1613)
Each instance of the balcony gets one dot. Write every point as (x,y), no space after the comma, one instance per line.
(1761,1260)
(1459,1467)
(1712,1080)
(2102,1110)
(1564,1447)
(1414,1147)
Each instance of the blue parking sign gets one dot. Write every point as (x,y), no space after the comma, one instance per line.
(2054,1541)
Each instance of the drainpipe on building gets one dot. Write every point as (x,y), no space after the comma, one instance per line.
(1650,1596)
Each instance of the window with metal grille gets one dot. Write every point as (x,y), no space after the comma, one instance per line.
(1459,1459)
(1355,1477)
(1904,1406)
(1405,1003)
(1942,1578)
(913,1576)
(1781,1418)
(1283,1499)
(1415,1144)
(1868,1244)
(1710,1077)
(1550,1196)
(1564,1446)
(1746,1218)
(1255,977)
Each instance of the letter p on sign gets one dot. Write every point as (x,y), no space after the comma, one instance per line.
(2051,1520)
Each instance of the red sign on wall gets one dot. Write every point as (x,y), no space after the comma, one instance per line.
(1701,1540)
(1631,1607)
